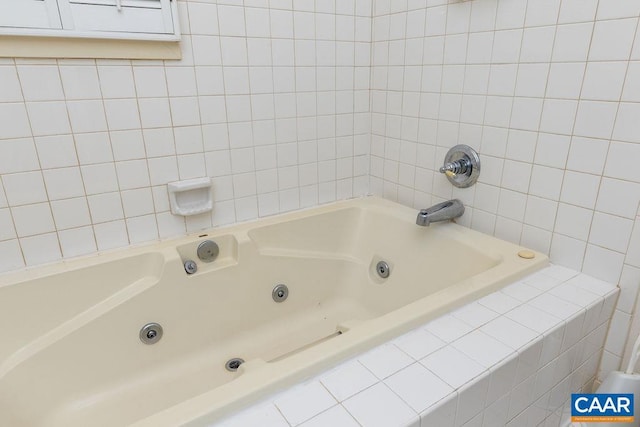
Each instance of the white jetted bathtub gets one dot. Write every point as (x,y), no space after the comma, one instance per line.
(70,346)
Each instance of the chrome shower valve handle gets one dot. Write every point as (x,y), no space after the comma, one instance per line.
(458,167)
(462,166)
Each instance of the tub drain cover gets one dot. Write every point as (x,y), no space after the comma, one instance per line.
(232,365)
(151,333)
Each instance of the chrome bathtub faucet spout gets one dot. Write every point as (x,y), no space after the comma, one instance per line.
(444,211)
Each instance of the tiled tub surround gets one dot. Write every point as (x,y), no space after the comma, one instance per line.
(511,358)
(548,93)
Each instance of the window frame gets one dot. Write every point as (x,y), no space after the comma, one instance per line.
(169,10)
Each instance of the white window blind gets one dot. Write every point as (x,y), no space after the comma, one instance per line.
(135,19)
(131,16)
(29,14)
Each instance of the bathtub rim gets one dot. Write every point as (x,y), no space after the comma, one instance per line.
(268,378)
(274,376)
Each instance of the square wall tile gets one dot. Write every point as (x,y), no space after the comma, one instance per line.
(24,188)
(567,251)
(77,241)
(611,232)
(603,263)
(63,183)
(626,128)
(347,380)
(587,155)
(56,151)
(511,15)
(3,197)
(537,44)
(546,182)
(493,350)
(116,81)
(572,42)
(12,257)
(11,90)
(266,415)
(93,148)
(471,399)
(7,230)
(573,221)
(110,235)
(127,145)
(631,91)
(541,212)
(70,213)
(154,112)
(443,361)
(542,13)
(142,229)
(603,80)
(122,114)
(388,408)
(418,386)
(132,174)
(14,121)
(87,116)
(18,155)
(595,119)
(150,81)
(203,18)
(80,82)
(580,189)
(49,118)
(377,360)
(41,249)
(304,402)
(99,178)
(628,288)
(577,11)
(137,202)
(612,40)
(40,82)
(33,219)
(419,343)
(619,160)
(558,116)
(335,416)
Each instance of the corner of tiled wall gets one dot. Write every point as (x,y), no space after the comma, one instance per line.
(548,93)
(270,100)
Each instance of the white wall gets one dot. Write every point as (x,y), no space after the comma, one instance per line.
(547,91)
(271,102)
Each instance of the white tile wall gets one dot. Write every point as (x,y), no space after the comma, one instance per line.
(270,99)
(547,92)
(511,359)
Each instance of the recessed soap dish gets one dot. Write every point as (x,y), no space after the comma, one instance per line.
(191,197)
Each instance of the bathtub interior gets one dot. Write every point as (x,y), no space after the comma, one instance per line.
(423,260)
(77,353)
(31,309)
